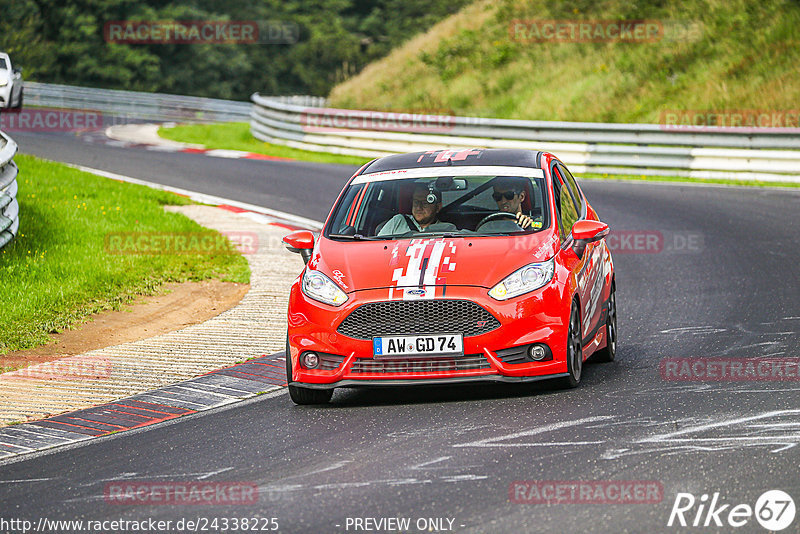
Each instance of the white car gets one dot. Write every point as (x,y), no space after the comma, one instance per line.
(10,84)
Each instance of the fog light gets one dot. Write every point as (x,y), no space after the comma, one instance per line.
(537,353)
(310,360)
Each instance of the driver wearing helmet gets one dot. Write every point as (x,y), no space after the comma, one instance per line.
(425,207)
(509,193)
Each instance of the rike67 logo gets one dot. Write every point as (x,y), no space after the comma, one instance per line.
(774,510)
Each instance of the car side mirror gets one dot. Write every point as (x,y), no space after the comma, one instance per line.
(18,70)
(302,242)
(584,232)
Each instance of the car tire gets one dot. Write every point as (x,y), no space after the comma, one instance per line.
(300,395)
(18,104)
(609,352)
(574,349)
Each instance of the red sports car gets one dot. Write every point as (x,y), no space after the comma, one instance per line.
(448,267)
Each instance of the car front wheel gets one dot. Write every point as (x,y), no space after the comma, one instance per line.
(19,99)
(607,353)
(574,349)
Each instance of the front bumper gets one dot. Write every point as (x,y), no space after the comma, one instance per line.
(351,383)
(533,318)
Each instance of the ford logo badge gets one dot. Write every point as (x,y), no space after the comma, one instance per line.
(417,292)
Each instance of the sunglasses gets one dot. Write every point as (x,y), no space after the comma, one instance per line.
(508,195)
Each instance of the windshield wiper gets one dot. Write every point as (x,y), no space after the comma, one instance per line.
(422,235)
(492,234)
(445,234)
(356,237)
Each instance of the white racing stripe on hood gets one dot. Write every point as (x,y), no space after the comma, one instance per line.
(408,283)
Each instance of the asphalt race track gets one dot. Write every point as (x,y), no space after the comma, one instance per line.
(300,188)
(721,282)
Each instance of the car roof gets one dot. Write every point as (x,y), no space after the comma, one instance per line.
(461,171)
(456,158)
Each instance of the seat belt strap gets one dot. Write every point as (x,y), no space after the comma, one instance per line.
(410,222)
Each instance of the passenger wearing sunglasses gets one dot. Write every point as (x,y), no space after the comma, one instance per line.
(509,194)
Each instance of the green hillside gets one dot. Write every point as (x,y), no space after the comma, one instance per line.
(713,55)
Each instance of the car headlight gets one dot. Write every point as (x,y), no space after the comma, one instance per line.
(319,287)
(3,82)
(532,276)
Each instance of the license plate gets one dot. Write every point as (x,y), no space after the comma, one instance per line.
(432,345)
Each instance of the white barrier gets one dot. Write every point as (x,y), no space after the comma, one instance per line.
(136,105)
(639,149)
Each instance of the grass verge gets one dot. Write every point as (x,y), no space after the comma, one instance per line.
(59,270)
(487,61)
(236,136)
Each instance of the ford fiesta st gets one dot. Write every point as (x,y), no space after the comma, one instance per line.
(447,267)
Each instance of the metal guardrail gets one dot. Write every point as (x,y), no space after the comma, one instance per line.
(9,207)
(640,149)
(157,107)
(303,122)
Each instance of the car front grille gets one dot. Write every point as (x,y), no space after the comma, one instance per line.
(420,365)
(400,317)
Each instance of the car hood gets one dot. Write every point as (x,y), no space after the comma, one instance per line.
(436,261)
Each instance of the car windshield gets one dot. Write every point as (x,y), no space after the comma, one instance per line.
(454,205)
(3,65)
